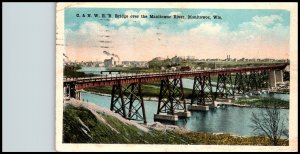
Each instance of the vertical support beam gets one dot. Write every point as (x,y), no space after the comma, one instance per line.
(122,100)
(136,102)
(272,78)
(279,75)
(77,96)
(117,101)
(259,79)
(239,86)
(182,95)
(131,100)
(246,82)
(220,86)
(69,90)
(171,97)
(128,100)
(199,96)
(195,88)
(142,102)
(253,80)
(265,79)
(65,91)
(160,97)
(224,86)
(113,92)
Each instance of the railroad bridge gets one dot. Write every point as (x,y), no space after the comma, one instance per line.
(127,96)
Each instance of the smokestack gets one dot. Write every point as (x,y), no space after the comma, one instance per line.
(65,55)
(107,53)
(116,56)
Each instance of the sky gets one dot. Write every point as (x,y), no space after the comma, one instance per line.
(240,33)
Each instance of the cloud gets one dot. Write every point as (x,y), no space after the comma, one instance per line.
(262,22)
(262,36)
(266,27)
(88,33)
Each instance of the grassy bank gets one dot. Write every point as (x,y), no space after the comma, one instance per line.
(258,101)
(80,125)
(148,90)
(155,65)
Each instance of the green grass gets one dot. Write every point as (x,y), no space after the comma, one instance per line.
(148,90)
(156,66)
(99,132)
(227,139)
(258,101)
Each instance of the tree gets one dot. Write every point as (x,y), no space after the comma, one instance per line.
(270,122)
(71,71)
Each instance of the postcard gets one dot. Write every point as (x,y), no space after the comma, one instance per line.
(176,77)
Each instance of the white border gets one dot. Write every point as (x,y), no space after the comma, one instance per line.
(293,116)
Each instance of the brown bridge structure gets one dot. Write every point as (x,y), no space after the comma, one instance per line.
(127,97)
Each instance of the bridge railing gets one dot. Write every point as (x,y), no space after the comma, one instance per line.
(164,73)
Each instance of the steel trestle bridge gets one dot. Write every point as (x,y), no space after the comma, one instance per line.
(127,97)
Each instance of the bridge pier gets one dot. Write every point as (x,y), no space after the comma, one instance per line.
(272,78)
(70,90)
(77,95)
(200,98)
(275,76)
(279,76)
(262,80)
(128,101)
(253,80)
(224,86)
(265,79)
(171,103)
(240,83)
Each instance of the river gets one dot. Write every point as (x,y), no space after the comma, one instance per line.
(233,120)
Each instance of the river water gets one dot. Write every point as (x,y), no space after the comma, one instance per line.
(233,120)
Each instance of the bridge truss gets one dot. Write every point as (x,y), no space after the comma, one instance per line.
(202,90)
(171,96)
(128,101)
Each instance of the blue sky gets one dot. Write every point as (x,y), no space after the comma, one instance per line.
(266,30)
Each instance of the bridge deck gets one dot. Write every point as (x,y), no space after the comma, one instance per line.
(109,80)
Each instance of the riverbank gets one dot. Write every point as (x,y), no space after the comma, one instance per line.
(261,102)
(149,90)
(88,123)
(253,101)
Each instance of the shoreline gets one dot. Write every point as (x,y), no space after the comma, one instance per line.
(248,106)
(98,112)
(159,126)
(187,100)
